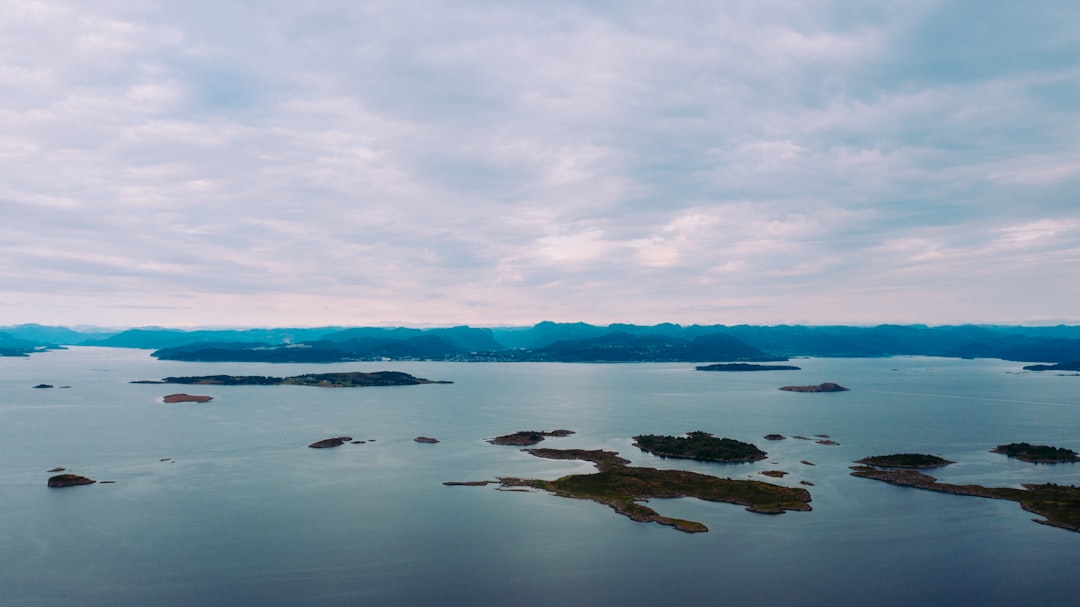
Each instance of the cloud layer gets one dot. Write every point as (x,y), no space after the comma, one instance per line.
(435,163)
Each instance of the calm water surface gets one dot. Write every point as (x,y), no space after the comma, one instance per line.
(223,503)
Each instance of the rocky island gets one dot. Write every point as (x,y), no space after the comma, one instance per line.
(1037,454)
(69,480)
(825,387)
(623,488)
(186,398)
(328,443)
(700,446)
(905,460)
(524,438)
(1059,504)
(739,367)
(354,379)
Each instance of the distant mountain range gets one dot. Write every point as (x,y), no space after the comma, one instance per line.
(565,342)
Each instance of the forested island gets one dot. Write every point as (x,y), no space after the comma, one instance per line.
(1037,454)
(905,460)
(353,379)
(700,446)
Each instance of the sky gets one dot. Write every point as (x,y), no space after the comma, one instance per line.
(424,163)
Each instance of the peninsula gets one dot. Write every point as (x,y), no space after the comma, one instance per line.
(353,379)
(1058,503)
(700,446)
(1065,366)
(623,488)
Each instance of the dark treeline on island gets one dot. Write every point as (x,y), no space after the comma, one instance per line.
(568,342)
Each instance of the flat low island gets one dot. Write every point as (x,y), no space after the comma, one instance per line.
(623,488)
(1059,504)
(353,379)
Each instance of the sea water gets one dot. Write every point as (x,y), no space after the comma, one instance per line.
(223,503)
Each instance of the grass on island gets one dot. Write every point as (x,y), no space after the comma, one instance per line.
(905,460)
(1038,454)
(700,446)
(623,487)
(1060,504)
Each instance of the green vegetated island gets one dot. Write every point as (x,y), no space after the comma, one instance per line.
(700,446)
(905,460)
(623,488)
(825,387)
(1059,504)
(1037,454)
(353,379)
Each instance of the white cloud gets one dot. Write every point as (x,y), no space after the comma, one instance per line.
(472,163)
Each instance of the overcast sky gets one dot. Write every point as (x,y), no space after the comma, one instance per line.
(427,163)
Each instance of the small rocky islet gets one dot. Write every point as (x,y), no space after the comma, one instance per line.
(329,443)
(69,480)
(825,387)
(525,438)
(186,398)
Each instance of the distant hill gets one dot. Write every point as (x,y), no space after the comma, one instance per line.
(577,342)
(14,346)
(44,334)
(620,346)
(156,338)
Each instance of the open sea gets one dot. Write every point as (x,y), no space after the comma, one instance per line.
(223,503)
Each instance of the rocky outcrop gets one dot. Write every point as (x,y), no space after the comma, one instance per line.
(69,480)
(186,398)
(326,443)
(525,438)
